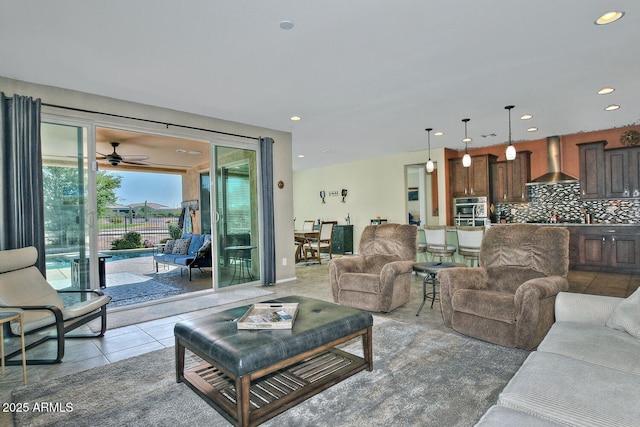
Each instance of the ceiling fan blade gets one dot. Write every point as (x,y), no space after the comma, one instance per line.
(134,158)
(139,162)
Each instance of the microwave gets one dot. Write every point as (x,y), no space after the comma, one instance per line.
(471,207)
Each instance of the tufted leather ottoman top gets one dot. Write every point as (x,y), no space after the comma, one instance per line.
(241,351)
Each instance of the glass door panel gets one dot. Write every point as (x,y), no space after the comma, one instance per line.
(236,216)
(66,205)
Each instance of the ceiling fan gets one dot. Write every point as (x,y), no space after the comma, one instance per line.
(115,159)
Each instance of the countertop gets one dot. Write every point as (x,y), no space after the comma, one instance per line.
(574,224)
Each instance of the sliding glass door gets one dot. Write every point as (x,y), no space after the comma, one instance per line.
(67,206)
(236,216)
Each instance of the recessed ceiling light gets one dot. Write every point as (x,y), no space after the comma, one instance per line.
(605,90)
(295,118)
(526,117)
(439,133)
(195,152)
(532,129)
(286,25)
(300,156)
(611,107)
(180,150)
(608,18)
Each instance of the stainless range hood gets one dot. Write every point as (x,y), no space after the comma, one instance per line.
(554,176)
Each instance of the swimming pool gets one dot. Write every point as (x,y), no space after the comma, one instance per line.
(58,261)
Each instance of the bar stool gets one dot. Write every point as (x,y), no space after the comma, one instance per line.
(436,237)
(7,316)
(469,240)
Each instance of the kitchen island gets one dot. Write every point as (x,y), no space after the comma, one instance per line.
(611,248)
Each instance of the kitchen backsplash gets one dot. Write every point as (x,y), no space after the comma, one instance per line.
(564,201)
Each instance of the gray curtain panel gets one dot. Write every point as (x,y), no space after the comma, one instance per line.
(268,235)
(22,201)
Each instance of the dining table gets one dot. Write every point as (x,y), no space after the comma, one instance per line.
(303,238)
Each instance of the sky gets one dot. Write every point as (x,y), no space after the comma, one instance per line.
(138,187)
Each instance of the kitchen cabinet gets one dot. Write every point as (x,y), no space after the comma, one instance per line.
(471,181)
(509,179)
(342,239)
(621,172)
(609,174)
(605,248)
(592,170)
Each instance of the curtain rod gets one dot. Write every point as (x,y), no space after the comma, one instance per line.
(150,121)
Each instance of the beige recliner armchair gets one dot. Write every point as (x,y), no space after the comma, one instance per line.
(23,286)
(509,299)
(379,279)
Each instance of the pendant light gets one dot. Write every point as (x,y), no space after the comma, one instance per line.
(511,150)
(466,159)
(430,166)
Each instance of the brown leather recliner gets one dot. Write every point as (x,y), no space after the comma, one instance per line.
(509,299)
(379,279)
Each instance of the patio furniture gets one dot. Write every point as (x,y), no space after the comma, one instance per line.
(197,255)
(22,286)
(379,279)
(509,299)
(250,376)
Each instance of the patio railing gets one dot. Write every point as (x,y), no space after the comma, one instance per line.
(152,229)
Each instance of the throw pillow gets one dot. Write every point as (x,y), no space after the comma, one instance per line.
(168,247)
(181,246)
(626,316)
(205,248)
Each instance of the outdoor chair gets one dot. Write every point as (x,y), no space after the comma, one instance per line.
(379,279)
(23,286)
(509,299)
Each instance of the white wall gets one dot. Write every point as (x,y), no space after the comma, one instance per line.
(376,187)
(282,153)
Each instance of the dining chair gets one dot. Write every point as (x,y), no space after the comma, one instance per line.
(469,241)
(323,242)
(308,225)
(437,246)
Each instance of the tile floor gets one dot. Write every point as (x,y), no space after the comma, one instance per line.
(138,338)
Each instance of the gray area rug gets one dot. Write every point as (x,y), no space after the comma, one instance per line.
(421,377)
(136,293)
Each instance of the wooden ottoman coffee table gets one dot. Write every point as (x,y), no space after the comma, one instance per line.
(250,376)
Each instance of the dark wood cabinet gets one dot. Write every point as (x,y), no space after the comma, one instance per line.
(471,181)
(592,170)
(609,174)
(605,248)
(342,239)
(509,179)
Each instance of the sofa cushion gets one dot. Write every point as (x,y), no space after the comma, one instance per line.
(181,246)
(626,316)
(594,344)
(498,416)
(567,391)
(195,243)
(168,246)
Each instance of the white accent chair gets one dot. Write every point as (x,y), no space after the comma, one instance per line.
(437,243)
(469,241)
(23,286)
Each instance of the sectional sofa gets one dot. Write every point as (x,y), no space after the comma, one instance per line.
(191,251)
(586,371)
